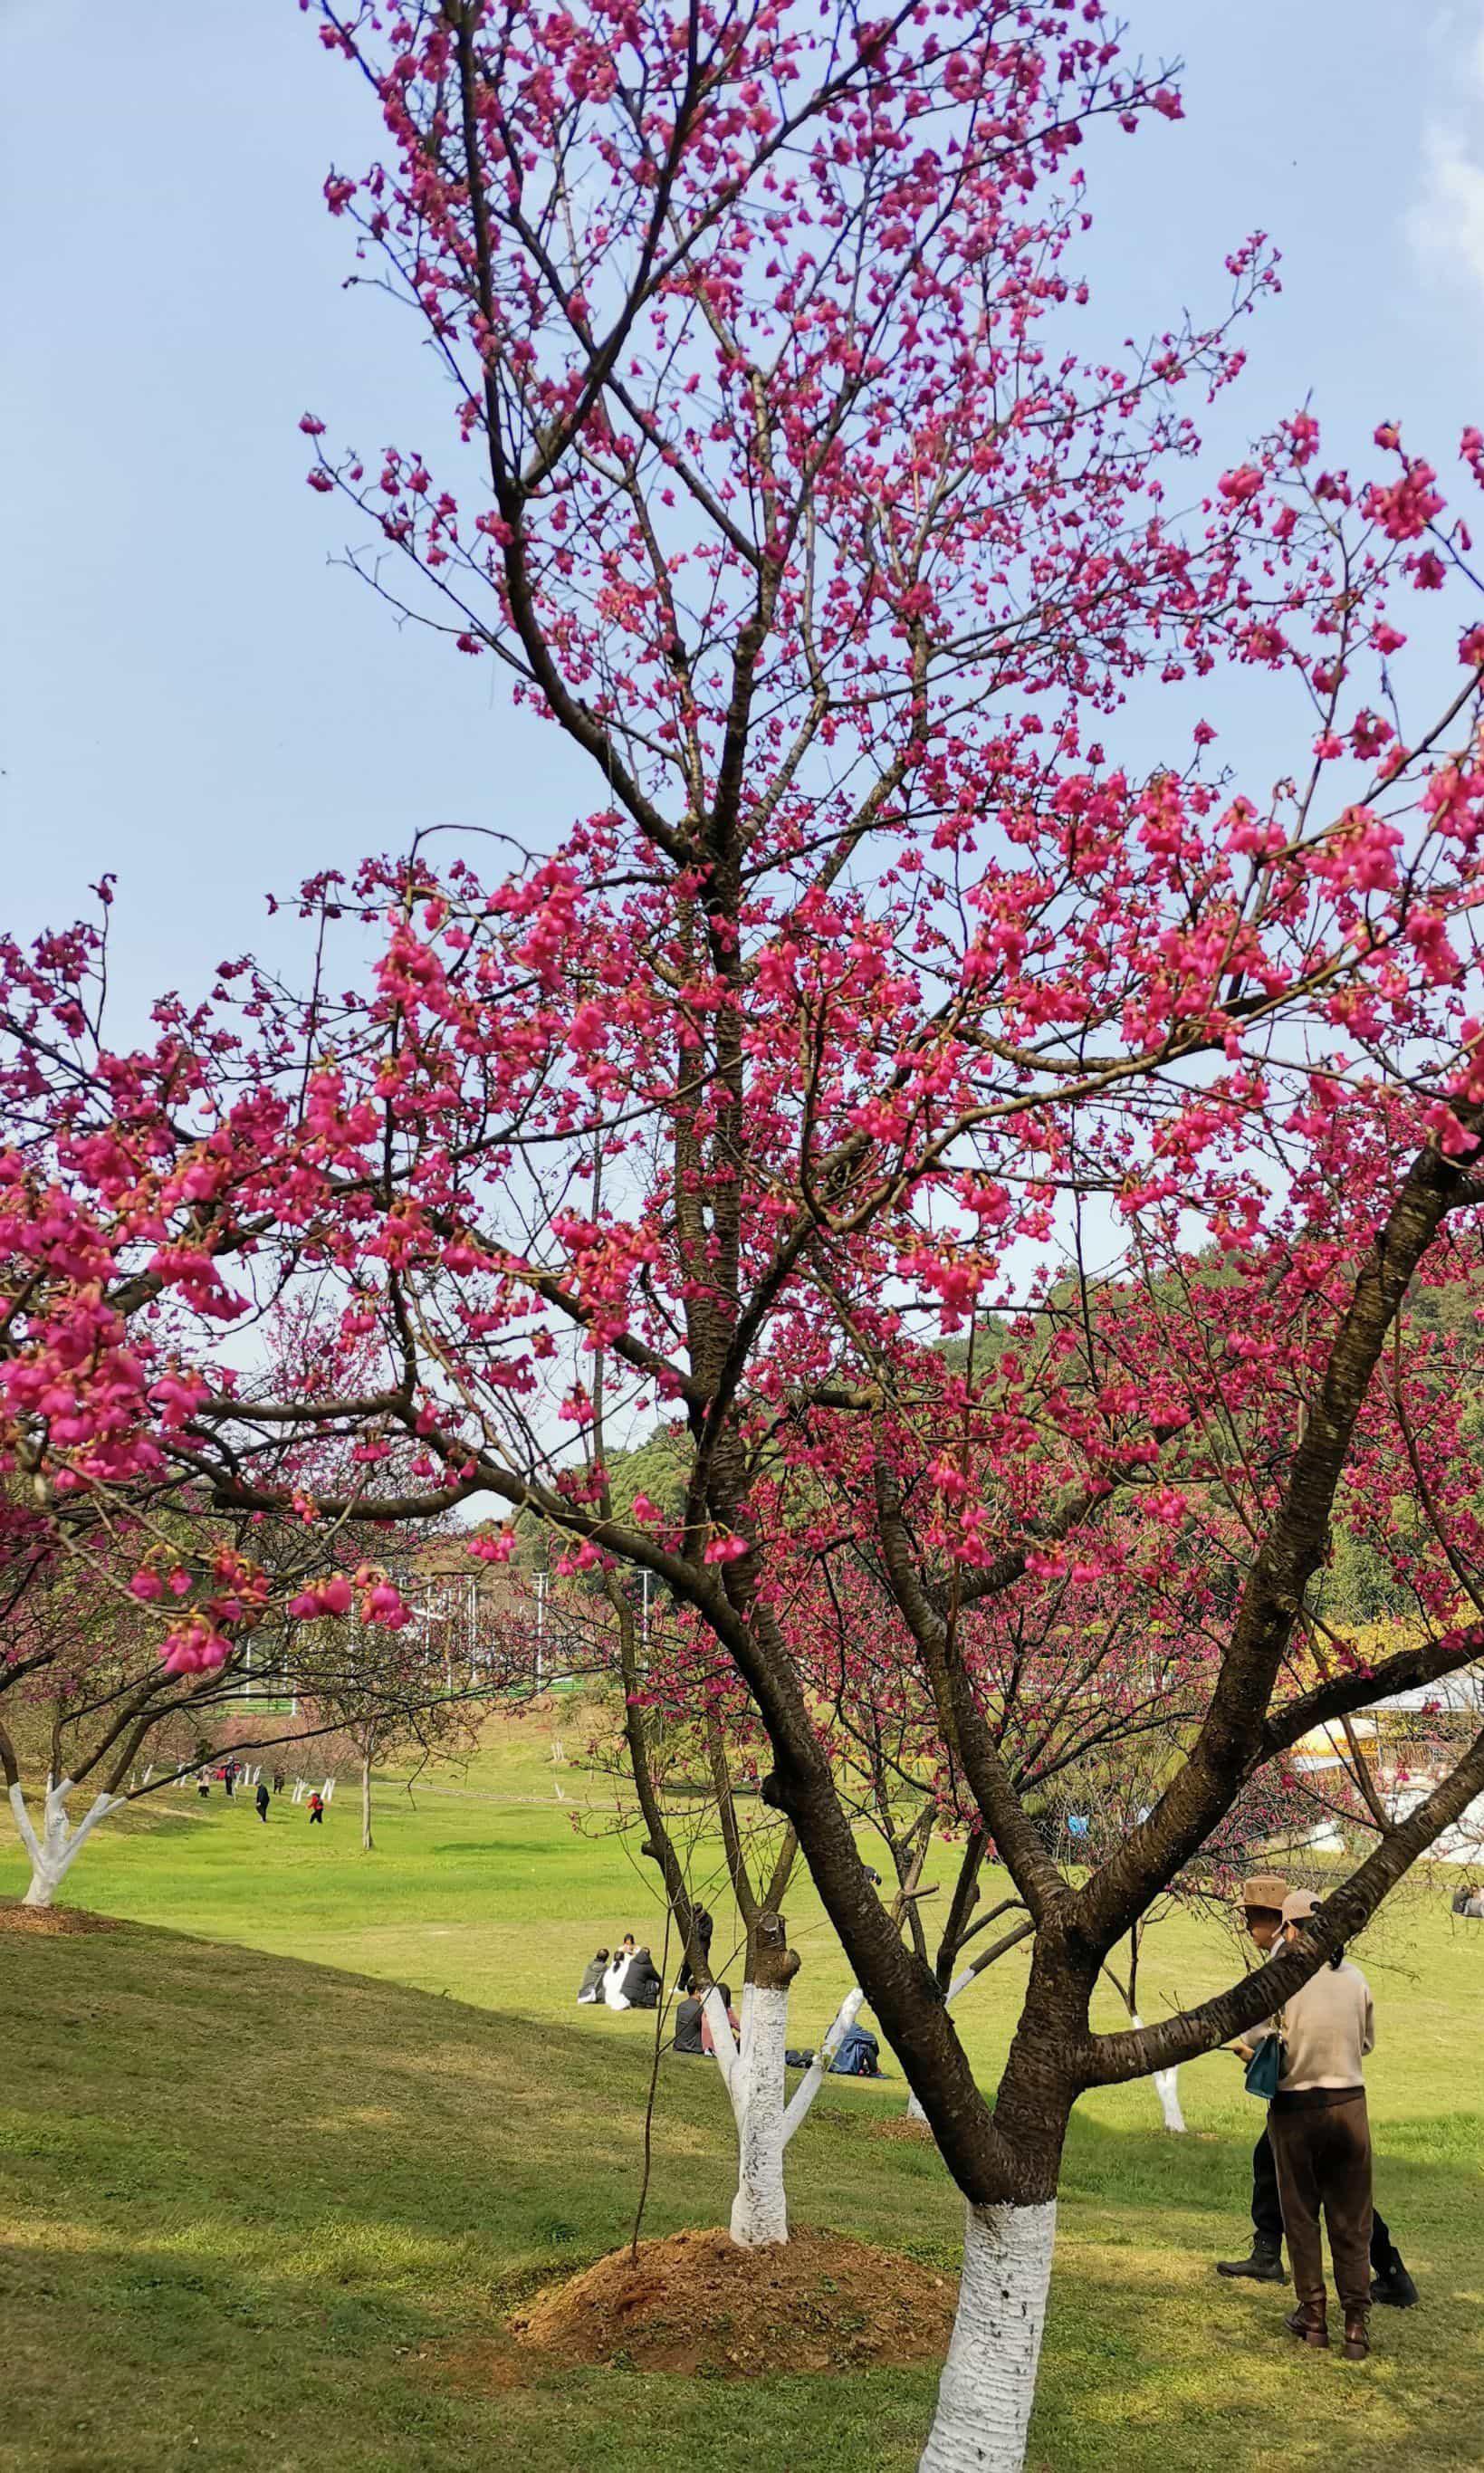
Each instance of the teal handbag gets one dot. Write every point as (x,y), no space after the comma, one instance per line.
(1264,2068)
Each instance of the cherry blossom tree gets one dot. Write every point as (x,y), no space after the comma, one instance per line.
(875,1006)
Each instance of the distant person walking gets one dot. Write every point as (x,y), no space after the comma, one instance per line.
(277,1781)
(203,1787)
(315,1809)
(261,1801)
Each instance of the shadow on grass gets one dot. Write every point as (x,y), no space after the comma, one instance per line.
(228,2176)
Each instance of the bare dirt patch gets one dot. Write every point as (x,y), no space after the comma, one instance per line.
(901,2132)
(51,1921)
(697,2305)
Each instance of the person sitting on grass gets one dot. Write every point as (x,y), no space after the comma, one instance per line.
(733,2019)
(689,2024)
(641,1987)
(859,2056)
(614,1995)
(591,1989)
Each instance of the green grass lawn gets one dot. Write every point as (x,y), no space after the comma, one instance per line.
(276,2159)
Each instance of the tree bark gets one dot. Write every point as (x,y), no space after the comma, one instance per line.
(759,2211)
(367,1842)
(57,1847)
(988,2380)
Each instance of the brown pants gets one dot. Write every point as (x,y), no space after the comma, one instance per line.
(1322,2152)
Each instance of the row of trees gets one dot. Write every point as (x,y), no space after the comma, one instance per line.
(876,1005)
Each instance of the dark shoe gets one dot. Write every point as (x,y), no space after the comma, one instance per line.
(1358,2339)
(1264,2267)
(1308,2323)
(1395,2288)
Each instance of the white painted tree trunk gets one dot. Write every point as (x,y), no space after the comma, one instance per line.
(54,1848)
(759,2211)
(1166,2086)
(752,2067)
(367,1840)
(813,2079)
(988,2380)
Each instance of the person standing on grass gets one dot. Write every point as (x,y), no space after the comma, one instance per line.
(260,1799)
(702,1927)
(316,1810)
(1320,2136)
(1262,1903)
(277,1781)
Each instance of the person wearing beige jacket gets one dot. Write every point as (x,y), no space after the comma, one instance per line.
(1321,2138)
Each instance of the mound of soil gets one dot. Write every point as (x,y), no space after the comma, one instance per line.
(697,2305)
(904,2132)
(50,1920)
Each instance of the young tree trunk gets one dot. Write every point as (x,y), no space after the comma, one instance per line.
(1167,2087)
(799,2101)
(752,2071)
(759,2211)
(988,2380)
(57,1847)
(367,1840)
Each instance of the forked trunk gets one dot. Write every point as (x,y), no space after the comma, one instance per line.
(55,1846)
(988,2380)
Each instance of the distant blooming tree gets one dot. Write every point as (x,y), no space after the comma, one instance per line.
(876,1005)
(89,1706)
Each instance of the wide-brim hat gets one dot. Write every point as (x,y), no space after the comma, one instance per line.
(1265,1889)
(1299,1906)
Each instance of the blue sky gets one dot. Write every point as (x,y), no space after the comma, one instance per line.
(195,697)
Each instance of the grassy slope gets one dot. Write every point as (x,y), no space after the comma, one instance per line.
(252,2211)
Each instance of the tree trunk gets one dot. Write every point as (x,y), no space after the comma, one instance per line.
(751,2069)
(960,1983)
(988,2380)
(759,2211)
(1167,2088)
(367,1840)
(57,1847)
(799,2101)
